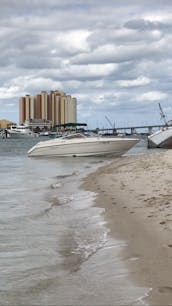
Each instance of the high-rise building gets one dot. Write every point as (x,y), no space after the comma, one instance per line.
(56,107)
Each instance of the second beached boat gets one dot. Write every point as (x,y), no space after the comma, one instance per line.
(161,138)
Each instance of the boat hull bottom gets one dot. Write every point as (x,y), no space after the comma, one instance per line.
(167,144)
(83,155)
(113,154)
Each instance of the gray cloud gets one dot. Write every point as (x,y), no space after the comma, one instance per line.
(147,25)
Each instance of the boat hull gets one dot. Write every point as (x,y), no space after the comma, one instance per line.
(161,139)
(92,147)
(19,135)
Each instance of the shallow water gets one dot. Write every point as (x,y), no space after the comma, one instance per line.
(55,247)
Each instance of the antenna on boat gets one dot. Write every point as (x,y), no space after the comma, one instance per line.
(162,114)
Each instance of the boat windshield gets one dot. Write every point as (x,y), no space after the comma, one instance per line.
(76,135)
(19,127)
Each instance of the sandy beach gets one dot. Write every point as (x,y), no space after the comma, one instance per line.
(136,192)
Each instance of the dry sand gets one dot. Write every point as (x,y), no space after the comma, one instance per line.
(136,192)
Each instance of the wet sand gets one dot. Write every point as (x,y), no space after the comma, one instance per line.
(136,192)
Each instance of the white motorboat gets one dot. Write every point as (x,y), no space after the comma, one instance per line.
(161,139)
(19,131)
(83,145)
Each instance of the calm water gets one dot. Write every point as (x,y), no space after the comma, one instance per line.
(54,244)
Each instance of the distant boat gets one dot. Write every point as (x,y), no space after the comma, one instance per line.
(44,133)
(19,131)
(79,144)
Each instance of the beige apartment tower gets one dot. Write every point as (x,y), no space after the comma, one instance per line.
(55,106)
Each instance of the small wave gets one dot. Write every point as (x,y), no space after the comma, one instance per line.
(66,175)
(66,199)
(56,202)
(141,299)
(97,162)
(89,250)
(85,250)
(55,186)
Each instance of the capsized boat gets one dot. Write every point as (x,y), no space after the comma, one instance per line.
(161,139)
(79,144)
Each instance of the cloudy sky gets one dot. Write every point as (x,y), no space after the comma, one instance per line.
(114,56)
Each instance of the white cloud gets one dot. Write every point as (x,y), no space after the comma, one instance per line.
(152,96)
(73,40)
(88,71)
(140,81)
(9,92)
(158,17)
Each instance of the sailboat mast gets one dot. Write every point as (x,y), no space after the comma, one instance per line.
(162,114)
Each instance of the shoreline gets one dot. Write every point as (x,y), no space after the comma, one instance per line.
(136,193)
